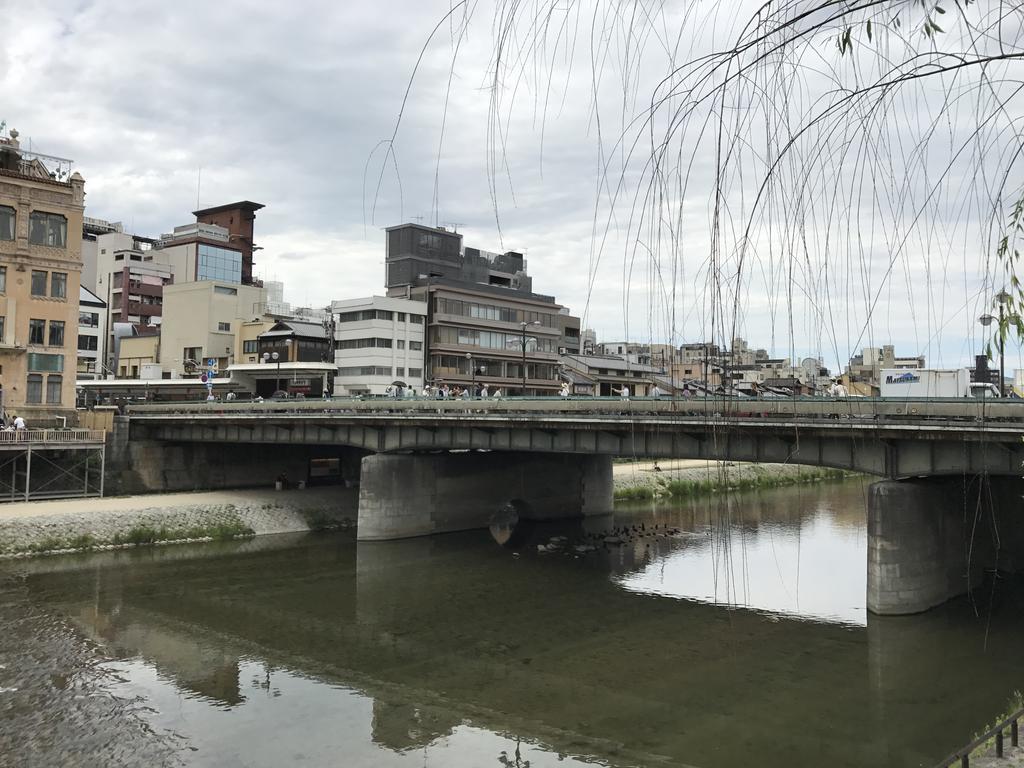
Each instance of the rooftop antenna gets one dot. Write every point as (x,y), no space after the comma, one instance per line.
(454,225)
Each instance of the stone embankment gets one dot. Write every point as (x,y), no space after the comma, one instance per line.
(686,477)
(82,524)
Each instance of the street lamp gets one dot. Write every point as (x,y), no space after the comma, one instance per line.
(472,373)
(524,325)
(267,356)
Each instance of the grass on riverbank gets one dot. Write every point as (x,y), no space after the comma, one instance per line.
(138,536)
(693,488)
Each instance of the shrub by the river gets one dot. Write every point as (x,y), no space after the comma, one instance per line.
(682,488)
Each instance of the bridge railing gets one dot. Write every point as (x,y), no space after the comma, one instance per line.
(591,407)
(996,733)
(36,437)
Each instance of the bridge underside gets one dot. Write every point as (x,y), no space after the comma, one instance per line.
(895,454)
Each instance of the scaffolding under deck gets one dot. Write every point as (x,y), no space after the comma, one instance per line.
(40,464)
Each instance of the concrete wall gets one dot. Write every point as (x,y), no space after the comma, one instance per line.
(421,494)
(933,539)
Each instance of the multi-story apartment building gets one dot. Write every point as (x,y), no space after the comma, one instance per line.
(41,205)
(484,323)
(92,337)
(867,366)
(377,341)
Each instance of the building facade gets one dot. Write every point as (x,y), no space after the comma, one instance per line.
(484,322)
(92,337)
(41,209)
(377,341)
(200,323)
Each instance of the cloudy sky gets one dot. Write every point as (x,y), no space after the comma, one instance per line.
(287,105)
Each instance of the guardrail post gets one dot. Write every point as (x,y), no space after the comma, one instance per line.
(999,743)
(1013,733)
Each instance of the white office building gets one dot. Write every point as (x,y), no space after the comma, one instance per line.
(378,341)
(92,336)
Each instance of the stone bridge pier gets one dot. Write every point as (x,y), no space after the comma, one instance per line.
(403,495)
(931,539)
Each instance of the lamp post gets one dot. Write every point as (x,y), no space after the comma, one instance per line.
(472,373)
(267,356)
(1002,297)
(523,325)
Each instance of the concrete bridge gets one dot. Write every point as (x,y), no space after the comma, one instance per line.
(952,467)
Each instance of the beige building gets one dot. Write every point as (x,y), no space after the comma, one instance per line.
(200,323)
(41,209)
(137,352)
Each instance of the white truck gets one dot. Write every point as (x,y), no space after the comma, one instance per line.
(930,382)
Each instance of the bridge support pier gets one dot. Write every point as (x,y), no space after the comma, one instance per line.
(404,495)
(932,539)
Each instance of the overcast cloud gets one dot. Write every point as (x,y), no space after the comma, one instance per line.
(285,104)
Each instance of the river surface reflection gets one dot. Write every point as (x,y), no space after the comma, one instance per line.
(720,632)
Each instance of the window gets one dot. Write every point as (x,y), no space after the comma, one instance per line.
(401,344)
(36,331)
(89,319)
(53,387)
(3,327)
(46,363)
(400,371)
(38,282)
(363,343)
(56,333)
(223,326)
(59,285)
(384,315)
(192,355)
(250,347)
(224,290)
(401,317)
(50,229)
(88,343)
(415,373)
(6,222)
(416,346)
(365,370)
(34,392)
(213,263)
(3,279)
(417,319)
(118,257)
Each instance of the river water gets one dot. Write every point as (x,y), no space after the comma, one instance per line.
(721,632)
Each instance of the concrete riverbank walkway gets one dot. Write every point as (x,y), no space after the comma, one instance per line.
(38,526)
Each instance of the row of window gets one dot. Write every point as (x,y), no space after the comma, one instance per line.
(49,229)
(37,333)
(491,312)
(218,264)
(34,391)
(458,365)
(379,314)
(491,339)
(41,279)
(377,370)
(377,342)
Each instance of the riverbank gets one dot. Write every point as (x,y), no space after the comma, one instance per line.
(689,477)
(38,527)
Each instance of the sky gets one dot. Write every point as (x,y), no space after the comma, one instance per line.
(168,106)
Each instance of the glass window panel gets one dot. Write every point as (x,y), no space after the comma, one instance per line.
(50,229)
(42,362)
(3,279)
(6,222)
(59,285)
(38,282)
(56,333)
(34,391)
(53,387)
(36,331)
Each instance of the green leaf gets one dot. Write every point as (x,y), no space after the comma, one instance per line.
(869,30)
(940,9)
(936,27)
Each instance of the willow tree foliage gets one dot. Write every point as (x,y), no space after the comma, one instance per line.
(839,168)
